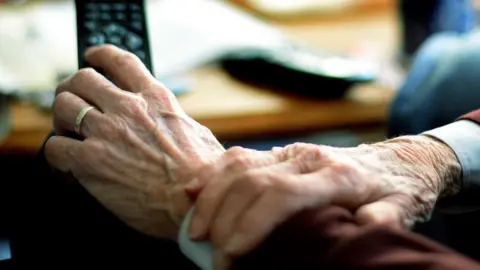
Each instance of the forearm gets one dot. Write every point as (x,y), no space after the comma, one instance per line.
(430,159)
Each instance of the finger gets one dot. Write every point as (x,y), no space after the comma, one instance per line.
(93,88)
(381,212)
(267,212)
(126,69)
(62,152)
(239,198)
(206,207)
(246,189)
(278,204)
(217,180)
(220,260)
(66,108)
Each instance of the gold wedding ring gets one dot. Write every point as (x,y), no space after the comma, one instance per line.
(79,119)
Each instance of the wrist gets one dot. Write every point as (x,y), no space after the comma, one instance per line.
(438,163)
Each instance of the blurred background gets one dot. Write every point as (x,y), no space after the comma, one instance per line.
(264,73)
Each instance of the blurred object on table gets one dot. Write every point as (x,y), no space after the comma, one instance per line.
(299,9)
(299,70)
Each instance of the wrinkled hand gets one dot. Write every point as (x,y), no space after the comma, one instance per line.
(245,194)
(138,145)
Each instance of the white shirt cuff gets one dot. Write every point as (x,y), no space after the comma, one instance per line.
(198,252)
(464,138)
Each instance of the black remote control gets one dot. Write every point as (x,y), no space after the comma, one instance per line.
(298,70)
(121,23)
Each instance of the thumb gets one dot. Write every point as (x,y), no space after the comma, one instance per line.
(381,212)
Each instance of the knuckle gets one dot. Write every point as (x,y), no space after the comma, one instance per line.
(115,128)
(295,149)
(298,146)
(238,163)
(310,160)
(341,168)
(163,96)
(125,59)
(313,154)
(60,101)
(235,151)
(79,77)
(84,73)
(135,105)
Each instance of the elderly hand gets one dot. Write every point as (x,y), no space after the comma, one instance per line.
(138,146)
(245,194)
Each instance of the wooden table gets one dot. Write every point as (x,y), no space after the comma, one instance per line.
(232,109)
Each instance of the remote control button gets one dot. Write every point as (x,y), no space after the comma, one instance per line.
(96,39)
(136,16)
(119,7)
(134,7)
(106,17)
(115,40)
(105,7)
(120,17)
(91,7)
(114,29)
(91,26)
(93,16)
(133,42)
(137,26)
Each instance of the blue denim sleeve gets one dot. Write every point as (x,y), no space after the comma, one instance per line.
(464,138)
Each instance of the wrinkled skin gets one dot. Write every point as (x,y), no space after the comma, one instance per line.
(246,194)
(144,159)
(139,146)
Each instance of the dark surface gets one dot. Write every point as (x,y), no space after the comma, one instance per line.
(329,238)
(53,223)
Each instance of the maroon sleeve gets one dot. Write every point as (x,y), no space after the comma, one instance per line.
(330,239)
(473,116)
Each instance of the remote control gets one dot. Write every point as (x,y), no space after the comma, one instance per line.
(121,23)
(298,70)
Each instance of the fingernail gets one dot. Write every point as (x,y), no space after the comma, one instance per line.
(220,260)
(195,230)
(235,243)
